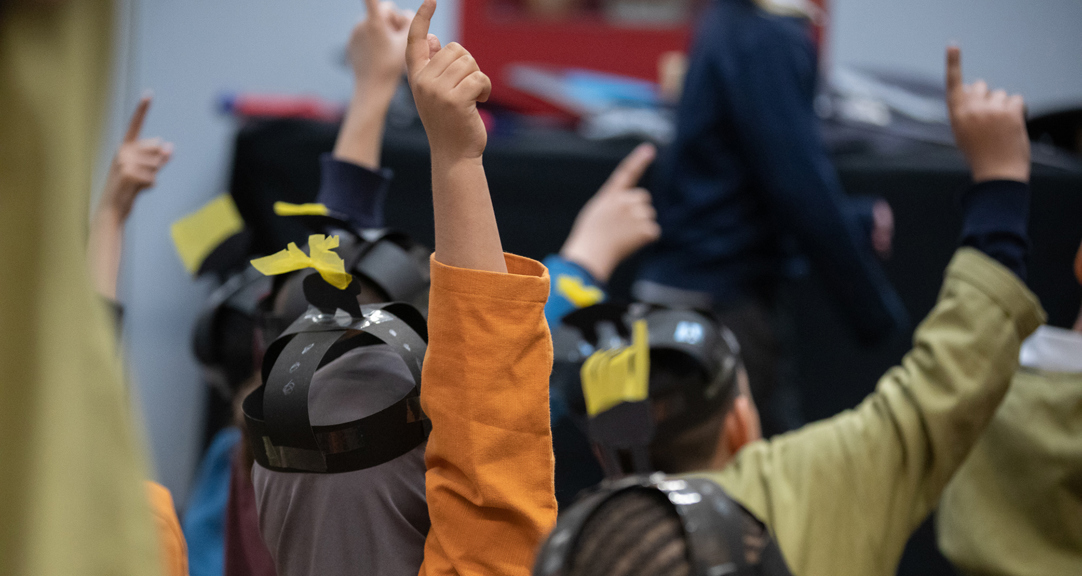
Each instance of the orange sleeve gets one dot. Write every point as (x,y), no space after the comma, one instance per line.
(174,549)
(485,388)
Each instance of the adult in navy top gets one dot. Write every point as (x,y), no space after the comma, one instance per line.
(747,189)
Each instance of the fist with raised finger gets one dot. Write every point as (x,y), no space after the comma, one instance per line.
(447,84)
(989,126)
(135,166)
(377,45)
(618,221)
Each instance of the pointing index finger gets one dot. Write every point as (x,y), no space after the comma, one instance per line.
(371,8)
(417,40)
(954,69)
(630,170)
(135,125)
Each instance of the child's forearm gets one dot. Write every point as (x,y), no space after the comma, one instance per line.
(361,137)
(104,248)
(466,232)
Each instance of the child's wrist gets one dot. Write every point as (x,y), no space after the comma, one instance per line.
(447,158)
(987,174)
(598,265)
(373,96)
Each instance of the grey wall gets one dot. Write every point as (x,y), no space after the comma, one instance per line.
(1033,47)
(189,52)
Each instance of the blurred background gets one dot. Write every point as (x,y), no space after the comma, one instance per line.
(578,82)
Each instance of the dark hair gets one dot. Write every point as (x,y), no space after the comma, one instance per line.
(682,444)
(635,533)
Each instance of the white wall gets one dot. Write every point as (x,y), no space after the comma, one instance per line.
(1033,47)
(190,52)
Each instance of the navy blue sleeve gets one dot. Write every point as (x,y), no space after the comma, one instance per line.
(571,288)
(995,220)
(771,79)
(860,209)
(354,191)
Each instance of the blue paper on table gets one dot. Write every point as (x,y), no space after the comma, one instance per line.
(583,91)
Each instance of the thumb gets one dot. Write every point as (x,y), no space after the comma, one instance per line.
(417,43)
(630,170)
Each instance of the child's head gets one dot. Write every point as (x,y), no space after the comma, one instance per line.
(708,441)
(659,526)
(700,401)
(348,489)
(375,517)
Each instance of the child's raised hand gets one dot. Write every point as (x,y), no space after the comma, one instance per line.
(446,85)
(135,166)
(989,127)
(377,45)
(617,221)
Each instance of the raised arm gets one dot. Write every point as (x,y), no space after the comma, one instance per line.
(351,179)
(377,48)
(134,169)
(489,480)
(616,222)
(447,85)
(862,481)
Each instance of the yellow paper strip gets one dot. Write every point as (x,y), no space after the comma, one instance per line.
(612,377)
(196,235)
(323,259)
(287,209)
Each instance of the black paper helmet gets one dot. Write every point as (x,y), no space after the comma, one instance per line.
(280,430)
(223,338)
(623,431)
(387,259)
(721,537)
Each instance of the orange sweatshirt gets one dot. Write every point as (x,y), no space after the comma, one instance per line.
(174,549)
(489,482)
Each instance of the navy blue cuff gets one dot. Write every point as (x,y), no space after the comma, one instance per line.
(995,220)
(354,190)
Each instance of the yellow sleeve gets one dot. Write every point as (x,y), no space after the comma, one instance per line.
(71,459)
(843,495)
(489,484)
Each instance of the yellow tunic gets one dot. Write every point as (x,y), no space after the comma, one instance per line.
(73,499)
(1015,506)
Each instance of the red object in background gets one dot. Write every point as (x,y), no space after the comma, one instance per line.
(498,34)
(280,106)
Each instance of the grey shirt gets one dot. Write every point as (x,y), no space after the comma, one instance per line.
(371,521)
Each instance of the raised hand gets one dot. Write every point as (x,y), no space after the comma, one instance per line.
(377,52)
(134,169)
(617,221)
(447,85)
(989,126)
(377,46)
(135,166)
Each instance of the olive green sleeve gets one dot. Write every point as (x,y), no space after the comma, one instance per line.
(843,495)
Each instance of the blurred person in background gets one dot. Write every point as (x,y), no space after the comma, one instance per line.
(747,188)
(1015,505)
(73,498)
